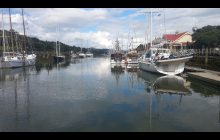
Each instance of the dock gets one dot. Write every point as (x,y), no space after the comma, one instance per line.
(196,69)
(206,77)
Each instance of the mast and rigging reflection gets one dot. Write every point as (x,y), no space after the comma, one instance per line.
(160,87)
(19,77)
(117,70)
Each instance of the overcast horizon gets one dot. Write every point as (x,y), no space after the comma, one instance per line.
(100,26)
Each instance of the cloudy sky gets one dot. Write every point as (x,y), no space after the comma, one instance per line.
(98,27)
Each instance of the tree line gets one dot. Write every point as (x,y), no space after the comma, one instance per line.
(35,44)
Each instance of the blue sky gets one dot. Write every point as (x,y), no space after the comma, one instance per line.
(100,25)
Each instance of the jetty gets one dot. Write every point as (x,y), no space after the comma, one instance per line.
(209,76)
(196,69)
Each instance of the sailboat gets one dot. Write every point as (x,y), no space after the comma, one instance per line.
(88,53)
(81,54)
(160,60)
(58,57)
(12,60)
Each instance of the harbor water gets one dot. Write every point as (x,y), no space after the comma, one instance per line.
(91,95)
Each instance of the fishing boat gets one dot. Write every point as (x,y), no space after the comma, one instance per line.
(159,59)
(131,56)
(117,57)
(58,57)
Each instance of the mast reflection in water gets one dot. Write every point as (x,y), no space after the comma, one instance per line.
(90,94)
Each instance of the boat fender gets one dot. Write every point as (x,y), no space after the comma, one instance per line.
(158,56)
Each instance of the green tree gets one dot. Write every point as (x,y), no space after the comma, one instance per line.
(208,36)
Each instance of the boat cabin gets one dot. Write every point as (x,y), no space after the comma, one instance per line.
(117,57)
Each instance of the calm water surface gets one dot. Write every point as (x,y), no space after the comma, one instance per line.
(89,94)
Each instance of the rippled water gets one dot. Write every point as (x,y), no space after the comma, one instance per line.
(89,94)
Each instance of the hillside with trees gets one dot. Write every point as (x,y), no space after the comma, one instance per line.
(37,45)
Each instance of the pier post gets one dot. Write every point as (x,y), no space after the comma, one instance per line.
(206,57)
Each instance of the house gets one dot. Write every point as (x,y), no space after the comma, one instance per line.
(179,38)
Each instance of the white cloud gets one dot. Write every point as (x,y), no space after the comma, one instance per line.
(106,22)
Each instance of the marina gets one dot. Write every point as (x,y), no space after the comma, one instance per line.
(109,70)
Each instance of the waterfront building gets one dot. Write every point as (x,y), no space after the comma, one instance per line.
(173,41)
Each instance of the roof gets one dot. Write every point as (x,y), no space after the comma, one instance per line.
(173,37)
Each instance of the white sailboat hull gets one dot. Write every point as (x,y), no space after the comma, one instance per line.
(17,62)
(171,68)
(89,55)
(82,55)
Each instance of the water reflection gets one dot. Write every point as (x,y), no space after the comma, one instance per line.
(84,96)
(50,64)
(11,81)
(117,70)
(163,86)
(205,89)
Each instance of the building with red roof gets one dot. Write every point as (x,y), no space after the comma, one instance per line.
(180,38)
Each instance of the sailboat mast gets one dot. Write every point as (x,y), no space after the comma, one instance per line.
(151,27)
(145,34)
(24,33)
(87,46)
(3,33)
(11,33)
(59,41)
(81,43)
(56,42)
